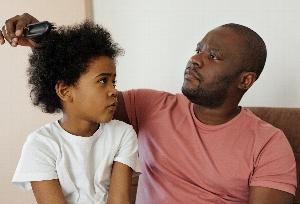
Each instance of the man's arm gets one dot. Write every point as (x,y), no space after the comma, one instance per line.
(120,184)
(48,192)
(121,113)
(263,195)
(13,29)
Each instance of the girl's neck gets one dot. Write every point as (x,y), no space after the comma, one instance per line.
(78,127)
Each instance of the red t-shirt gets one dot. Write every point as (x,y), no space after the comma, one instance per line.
(186,161)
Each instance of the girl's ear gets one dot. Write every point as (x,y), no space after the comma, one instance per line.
(64,92)
(246,80)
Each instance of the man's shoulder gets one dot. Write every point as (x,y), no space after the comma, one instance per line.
(151,93)
(252,117)
(260,127)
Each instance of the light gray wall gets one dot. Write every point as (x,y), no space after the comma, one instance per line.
(159,36)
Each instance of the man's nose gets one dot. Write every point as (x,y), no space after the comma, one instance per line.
(197,59)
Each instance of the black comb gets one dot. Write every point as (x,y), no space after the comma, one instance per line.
(36,31)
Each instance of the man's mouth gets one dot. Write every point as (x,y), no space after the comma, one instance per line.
(191,73)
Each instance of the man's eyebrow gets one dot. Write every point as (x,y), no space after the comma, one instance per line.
(199,45)
(216,50)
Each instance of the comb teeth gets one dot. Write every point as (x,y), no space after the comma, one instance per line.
(36,31)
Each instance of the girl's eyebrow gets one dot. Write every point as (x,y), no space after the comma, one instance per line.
(105,74)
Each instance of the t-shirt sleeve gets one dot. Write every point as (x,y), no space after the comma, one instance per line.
(141,103)
(275,167)
(128,150)
(37,162)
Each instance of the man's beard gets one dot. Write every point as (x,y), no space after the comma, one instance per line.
(209,97)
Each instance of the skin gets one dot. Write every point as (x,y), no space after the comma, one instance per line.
(47,192)
(120,187)
(217,56)
(92,100)
(12,31)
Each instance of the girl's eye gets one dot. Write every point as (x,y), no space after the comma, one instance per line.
(198,51)
(102,81)
(105,81)
(114,83)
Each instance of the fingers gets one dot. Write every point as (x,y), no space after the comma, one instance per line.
(2,41)
(4,34)
(9,29)
(22,22)
(12,41)
(13,29)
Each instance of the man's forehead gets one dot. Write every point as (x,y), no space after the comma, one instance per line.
(221,38)
(209,41)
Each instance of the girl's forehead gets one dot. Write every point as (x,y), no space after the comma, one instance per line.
(102,64)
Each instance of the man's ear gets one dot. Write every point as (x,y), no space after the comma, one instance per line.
(246,80)
(63,91)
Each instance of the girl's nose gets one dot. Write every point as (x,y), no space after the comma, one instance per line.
(113,92)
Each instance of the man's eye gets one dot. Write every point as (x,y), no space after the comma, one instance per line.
(198,51)
(213,56)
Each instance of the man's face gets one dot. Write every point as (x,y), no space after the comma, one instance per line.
(214,68)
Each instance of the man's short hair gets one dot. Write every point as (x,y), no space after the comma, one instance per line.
(255,53)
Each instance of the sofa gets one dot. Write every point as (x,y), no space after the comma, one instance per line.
(287,119)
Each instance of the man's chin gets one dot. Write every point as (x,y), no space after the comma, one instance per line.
(189,93)
(188,89)
(202,100)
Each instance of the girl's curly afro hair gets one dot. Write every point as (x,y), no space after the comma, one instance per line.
(63,55)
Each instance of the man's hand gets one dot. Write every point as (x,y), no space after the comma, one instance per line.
(13,29)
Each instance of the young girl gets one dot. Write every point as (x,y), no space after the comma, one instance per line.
(85,157)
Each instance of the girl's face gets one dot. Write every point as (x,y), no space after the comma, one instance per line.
(94,97)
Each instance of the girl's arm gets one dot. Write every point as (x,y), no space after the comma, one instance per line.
(48,192)
(120,185)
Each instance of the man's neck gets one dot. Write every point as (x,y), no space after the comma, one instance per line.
(216,116)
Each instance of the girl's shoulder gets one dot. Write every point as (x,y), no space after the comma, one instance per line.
(118,129)
(118,124)
(46,134)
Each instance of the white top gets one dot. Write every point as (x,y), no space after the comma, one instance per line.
(82,164)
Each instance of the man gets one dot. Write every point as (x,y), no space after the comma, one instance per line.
(202,147)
